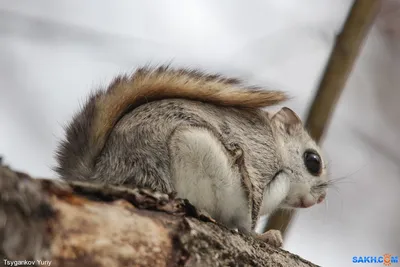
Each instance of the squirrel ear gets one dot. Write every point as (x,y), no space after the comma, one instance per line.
(287,120)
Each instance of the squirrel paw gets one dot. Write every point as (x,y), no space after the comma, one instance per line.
(272,237)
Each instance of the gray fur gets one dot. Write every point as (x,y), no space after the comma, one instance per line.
(137,151)
(145,146)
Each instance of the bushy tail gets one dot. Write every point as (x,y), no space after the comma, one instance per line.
(87,134)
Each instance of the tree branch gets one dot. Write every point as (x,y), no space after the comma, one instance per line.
(345,52)
(82,224)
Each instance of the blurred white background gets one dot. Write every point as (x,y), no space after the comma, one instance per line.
(53,53)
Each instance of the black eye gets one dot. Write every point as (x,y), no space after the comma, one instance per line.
(313,162)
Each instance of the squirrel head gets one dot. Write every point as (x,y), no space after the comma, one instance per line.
(302,163)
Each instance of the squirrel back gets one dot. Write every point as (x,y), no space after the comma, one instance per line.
(90,128)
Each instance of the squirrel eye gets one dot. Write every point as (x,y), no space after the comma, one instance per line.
(313,162)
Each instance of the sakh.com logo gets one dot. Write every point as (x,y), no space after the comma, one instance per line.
(385,259)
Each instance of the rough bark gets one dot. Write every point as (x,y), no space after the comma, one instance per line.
(81,224)
(345,52)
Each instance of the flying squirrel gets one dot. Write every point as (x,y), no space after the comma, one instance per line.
(205,137)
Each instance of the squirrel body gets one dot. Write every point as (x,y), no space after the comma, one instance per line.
(205,137)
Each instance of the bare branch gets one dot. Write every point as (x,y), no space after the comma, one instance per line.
(82,224)
(340,64)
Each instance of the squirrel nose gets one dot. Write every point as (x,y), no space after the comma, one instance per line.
(321,198)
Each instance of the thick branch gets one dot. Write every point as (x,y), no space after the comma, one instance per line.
(80,224)
(340,64)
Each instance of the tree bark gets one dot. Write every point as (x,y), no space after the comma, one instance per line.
(82,224)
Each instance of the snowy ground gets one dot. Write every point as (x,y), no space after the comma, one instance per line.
(52,53)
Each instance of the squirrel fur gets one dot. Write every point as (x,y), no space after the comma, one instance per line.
(204,136)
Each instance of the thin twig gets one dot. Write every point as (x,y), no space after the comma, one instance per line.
(346,50)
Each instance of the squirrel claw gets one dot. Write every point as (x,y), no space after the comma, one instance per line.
(272,237)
